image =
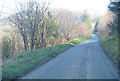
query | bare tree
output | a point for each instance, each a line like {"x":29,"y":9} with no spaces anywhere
{"x":70,"y":27}
{"x":28,"y":18}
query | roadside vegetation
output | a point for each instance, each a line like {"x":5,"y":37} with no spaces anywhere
{"x":110,"y":47}
{"x":35,"y":26}
{"x":107,"y":28}
{"x":27,"y":60}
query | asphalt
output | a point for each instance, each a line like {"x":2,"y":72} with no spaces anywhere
{"x":83,"y":61}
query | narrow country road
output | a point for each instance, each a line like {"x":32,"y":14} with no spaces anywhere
{"x":83,"y":61}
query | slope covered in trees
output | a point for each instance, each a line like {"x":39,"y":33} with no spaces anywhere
{"x":35,"y":26}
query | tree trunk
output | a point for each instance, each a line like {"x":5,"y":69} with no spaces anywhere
{"x":31,"y":43}
{"x":25,"y":42}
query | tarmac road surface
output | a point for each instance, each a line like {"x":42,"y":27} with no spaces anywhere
{"x":83,"y":61}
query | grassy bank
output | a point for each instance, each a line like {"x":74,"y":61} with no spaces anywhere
{"x":25,"y":61}
{"x":110,"y":47}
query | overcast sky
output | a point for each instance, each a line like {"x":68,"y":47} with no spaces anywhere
{"x":94,"y":6}
{"x":80,"y":4}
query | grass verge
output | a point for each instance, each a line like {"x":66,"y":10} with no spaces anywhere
{"x":25,"y":61}
{"x":110,"y":47}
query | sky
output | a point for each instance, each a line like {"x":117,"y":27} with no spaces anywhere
{"x":80,"y":4}
{"x":94,"y":6}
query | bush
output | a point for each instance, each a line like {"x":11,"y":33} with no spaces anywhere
{"x":90,"y":36}
{"x":6,"y":47}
